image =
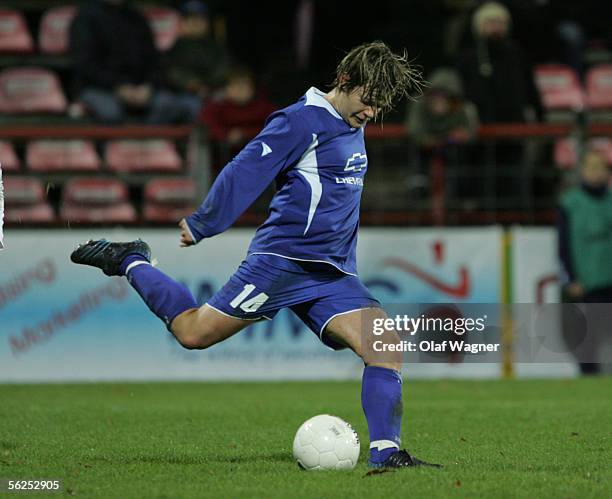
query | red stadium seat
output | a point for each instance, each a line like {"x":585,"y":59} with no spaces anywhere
{"x":96,"y":200}
{"x":137,"y":156}
{"x":559,"y":87}
{"x":25,"y":201}
{"x":170,"y":191}
{"x":30,"y":90}
{"x":23,"y":190}
{"x":62,"y":155}
{"x":566,"y":151}
{"x":165,"y":214}
{"x":122,"y":213}
{"x":54,"y":28}
{"x":168,"y":200}
{"x":40,"y":213}
{"x":14,"y":34}
{"x":165,"y":23}
{"x":95,"y":191}
{"x":599,"y":87}
{"x":8,"y":159}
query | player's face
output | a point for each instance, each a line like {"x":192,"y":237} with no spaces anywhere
{"x":354,"y":111}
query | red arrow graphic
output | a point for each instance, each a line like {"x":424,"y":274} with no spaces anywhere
{"x":460,"y":290}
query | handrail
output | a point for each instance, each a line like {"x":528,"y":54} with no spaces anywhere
{"x":497,"y":130}
{"x":374,"y":131}
{"x":94,"y":131}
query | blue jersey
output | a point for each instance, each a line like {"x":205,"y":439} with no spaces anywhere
{"x":319,"y":163}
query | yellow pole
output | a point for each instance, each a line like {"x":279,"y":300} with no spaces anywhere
{"x":507,"y":332}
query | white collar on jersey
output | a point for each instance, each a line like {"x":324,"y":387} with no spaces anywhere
{"x":314,"y":97}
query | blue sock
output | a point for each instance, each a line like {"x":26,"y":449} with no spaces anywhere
{"x":165,"y":297}
{"x":381,"y":399}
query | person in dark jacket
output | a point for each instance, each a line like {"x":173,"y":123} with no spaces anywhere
{"x":442,"y":116}
{"x":497,"y":76}
{"x":117,"y":65}
{"x":585,"y":247}
{"x":440,"y":124}
{"x":196,"y":65}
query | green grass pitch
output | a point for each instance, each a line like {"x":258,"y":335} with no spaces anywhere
{"x":495,"y":438}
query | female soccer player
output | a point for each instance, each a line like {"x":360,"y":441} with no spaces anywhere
{"x":303,"y":256}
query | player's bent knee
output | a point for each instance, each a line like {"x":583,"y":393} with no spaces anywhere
{"x":188,"y":332}
{"x":198,"y":329}
{"x":195,"y":336}
{"x":192,"y":342}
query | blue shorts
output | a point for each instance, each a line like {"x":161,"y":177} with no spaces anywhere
{"x":315,"y":292}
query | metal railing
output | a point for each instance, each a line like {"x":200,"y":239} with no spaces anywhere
{"x":508,"y":175}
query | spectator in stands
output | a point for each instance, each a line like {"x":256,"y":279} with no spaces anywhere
{"x":496,"y":75}
{"x":117,"y":65}
{"x":240,"y":113}
{"x":585,"y":245}
{"x":442,"y":116}
{"x":439,"y":124}
{"x":196,"y":64}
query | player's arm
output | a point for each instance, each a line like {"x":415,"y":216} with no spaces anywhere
{"x":279,"y":145}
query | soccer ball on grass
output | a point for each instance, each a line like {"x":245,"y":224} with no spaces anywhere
{"x":326,"y":442}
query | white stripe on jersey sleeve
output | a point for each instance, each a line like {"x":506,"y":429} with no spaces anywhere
{"x":309,"y":169}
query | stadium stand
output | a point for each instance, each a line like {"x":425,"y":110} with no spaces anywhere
{"x":165,"y":23}
{"x":559,"y":88}
{"x":62,"y":155}
{"x":15,"y":37}
{"x":25,"y":201}
{"x":142,"y":156}
{"x":90,"y":200}
{"x":168,"y":200}
{"x":53,"y":32}
{"x":8,"y":159}
{"x":31,"y":91}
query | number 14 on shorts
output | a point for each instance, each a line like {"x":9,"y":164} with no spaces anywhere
{"x":247,"y":304}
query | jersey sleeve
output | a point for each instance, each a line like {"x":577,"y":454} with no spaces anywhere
{"x":279,"y":145}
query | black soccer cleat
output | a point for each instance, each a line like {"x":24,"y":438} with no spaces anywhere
{"x":108,"y":256}
{"x":402,"y":459}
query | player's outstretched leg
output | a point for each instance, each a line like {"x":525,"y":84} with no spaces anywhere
{"x":165,"y":297}
{"x":193,"y":327}
{"x":381,"y":390}
{"x":108,"y":256}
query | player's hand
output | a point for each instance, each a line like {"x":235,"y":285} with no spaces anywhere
{"x":186,"y":239}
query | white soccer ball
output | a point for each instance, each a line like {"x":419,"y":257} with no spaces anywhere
{"x":326,"y":442}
